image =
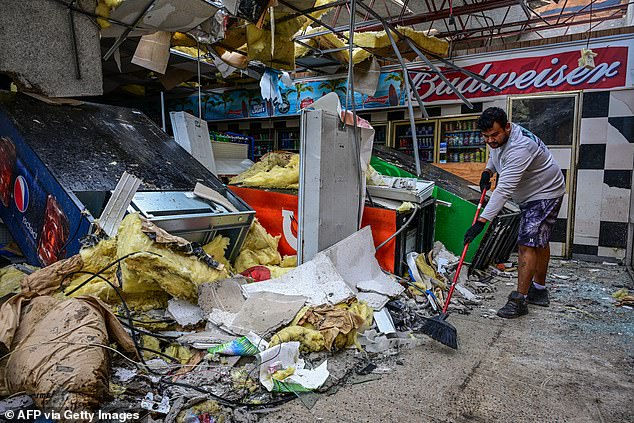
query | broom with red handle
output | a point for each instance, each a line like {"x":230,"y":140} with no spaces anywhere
{"x":437,"y":327}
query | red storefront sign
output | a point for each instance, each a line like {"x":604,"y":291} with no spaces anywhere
{"x":524,"y":75}
{"x":278,"y":214}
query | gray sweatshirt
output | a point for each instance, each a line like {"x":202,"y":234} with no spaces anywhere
{"x":526,"y":172}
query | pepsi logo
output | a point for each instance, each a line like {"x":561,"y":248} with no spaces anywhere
{"x":21,"y":194}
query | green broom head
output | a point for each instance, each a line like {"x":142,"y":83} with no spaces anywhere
{"x":438,"y":329}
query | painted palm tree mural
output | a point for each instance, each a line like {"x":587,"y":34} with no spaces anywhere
{"x":226,"y":98}
{"x":397,"y":77}
{"x":211,"y":103}
{"x":337,"y":86}
{"x":302,"y":87}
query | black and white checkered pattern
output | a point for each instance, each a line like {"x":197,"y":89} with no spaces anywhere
{"x":604,"y":175}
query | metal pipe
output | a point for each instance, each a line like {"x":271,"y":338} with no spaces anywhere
{"x":440,"y":74}
{"x":355,"y":131}
{"x":406,"y":74}
{"x":163,"y":111}
{"x":410,"y":108}
{"x":73,"y":35}
{"x":127,"y":31}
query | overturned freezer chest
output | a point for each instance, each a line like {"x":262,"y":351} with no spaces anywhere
{"x":193,"y":218}
{"x":59,"y":164}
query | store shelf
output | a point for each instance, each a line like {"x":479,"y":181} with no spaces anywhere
{"x":465,"y":147}
{"x":460,"y":130}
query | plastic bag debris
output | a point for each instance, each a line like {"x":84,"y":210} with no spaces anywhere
{"x":282,"y":370}
{"x":248,"y":345}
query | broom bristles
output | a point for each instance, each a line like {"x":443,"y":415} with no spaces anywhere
{"x":439,"y":330}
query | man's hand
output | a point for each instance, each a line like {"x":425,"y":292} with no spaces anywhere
{"x":473,"y":231}
{"x":485,"y":180}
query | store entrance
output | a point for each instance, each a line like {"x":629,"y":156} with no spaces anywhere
{"x":555,"y":119}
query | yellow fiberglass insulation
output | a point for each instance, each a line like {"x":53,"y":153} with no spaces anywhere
{"x":379,"y":39}
{"x":278,"y":271}
{"x":10,"y":278}
{"x":259,"y":248}
{"x":103,"y":8}
{"x":176,"y":273}
{"x":289,"y":261}
{"x":310,"y":340}
{"x":217,"y":248}
{"x":266,"y":163}
{"x":282,"y":53}
{"x":277,"y":177}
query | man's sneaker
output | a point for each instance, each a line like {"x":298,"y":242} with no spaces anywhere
{"x":538,"y":296}
{"x":515,"y":307}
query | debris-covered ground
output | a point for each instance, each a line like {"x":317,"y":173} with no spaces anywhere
{"x":147,"y":327}
{"x":570,"y":362}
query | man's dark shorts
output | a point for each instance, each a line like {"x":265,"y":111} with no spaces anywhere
{"x":537,"y":222}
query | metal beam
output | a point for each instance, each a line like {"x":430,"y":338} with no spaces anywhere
{"x":375,"y":24}
{"x":553,"y":22}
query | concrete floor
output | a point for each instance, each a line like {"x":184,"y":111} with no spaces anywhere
{"x":570,"y":362}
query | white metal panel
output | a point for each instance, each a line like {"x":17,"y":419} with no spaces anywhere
{"x":329,"y":185}
{"x":192,"y":134}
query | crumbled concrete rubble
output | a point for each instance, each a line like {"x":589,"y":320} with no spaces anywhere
{"x":180,"y":374}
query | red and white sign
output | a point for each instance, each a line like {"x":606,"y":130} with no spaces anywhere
{"x":277,"y":213}
{"x":524,"y":75}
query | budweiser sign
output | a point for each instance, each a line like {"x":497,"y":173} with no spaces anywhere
{"x":556,"y":72}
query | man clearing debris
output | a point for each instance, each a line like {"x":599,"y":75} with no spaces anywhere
{"x":529,"y":175}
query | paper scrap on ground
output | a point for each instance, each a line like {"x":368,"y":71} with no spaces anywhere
{"x":285,"y":357}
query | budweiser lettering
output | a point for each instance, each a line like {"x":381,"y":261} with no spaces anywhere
{"x":558,"y":72}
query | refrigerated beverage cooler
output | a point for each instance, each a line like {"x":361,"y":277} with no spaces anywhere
{"x":425,"y":131}
{"x":461,"y":142}
{"x":59,"y":164}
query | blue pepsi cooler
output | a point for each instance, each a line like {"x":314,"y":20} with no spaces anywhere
{"x":59,"y":164}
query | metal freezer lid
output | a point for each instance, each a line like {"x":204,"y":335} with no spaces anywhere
{"x":173,"y":203}
{"x":403,"y":189}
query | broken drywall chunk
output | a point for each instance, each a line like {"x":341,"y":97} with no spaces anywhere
{"x":265,"y":312}
{"x":225,"y":294}
{"x":317,"y":280}
{"x":184,"y":312}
